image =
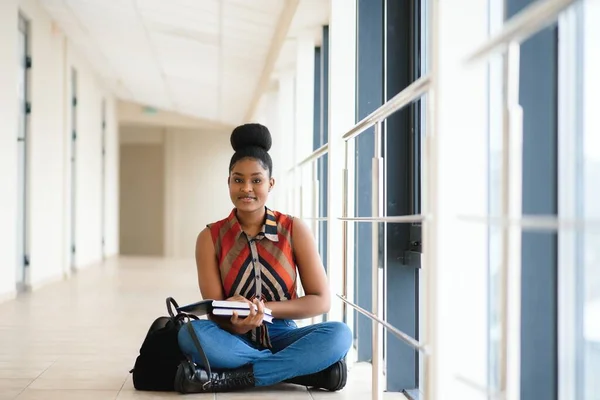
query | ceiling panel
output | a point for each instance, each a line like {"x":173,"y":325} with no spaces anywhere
{"x":181,"y":20}
{"x":202,"y":58}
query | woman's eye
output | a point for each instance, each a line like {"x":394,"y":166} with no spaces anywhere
{"x":238,"y":181}
{"x":257,"y":181}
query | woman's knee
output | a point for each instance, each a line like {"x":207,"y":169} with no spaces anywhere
{"x":222,"y":349}
{"x":199,"y":326}
{"x":340,"y":335}
{"x":201,"y":329}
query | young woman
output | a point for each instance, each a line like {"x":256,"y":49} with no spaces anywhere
{"x":254,"y":255}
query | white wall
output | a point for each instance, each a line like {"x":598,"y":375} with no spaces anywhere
{"x":8,"y":144}
{"x":459,"y":326}
{"x":197,"y":165}
{"x":49,"y":151}
{"x":267,"y":114}
{"x":196,"y":171}
{"x":142,"y":190}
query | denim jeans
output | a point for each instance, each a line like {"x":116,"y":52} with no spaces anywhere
{"x":296,"y":351}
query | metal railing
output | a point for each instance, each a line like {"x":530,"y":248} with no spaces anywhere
{"x":401,"y":100}
{"x":519,"y":28}
{"x":507,"y":41}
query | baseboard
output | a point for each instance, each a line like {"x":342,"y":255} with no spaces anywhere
{"x":46,"y":281}
{"x":8,"y":296}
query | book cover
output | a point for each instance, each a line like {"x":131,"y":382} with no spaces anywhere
{"x":222,"y":307}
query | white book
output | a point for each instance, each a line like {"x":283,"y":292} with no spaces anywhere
{"x":240,"y":313}
{"x":236,"y":305}
{"x":224,"y":308}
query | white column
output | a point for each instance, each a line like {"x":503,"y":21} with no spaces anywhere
{"x":304,"y":112}
{"x":304,"y":117}
{"x":342,"y":59}
{"x":8,"y":146}
{"x":260,"y":111}
{"x":456,"y":184}
{"x":285,"y":134}
{"x":270,"y":118}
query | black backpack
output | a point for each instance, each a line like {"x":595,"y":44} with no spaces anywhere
{"x":159,"y":357}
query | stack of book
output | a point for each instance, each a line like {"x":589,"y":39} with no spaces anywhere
{"x":223,"y":308}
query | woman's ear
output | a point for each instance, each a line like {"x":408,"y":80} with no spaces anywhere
{"x":271,"y":183}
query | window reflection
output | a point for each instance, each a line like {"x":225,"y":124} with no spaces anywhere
{"x":591,"y":200}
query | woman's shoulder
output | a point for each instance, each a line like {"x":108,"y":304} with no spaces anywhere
{"x":214,"y":229}
{"x":283,"y":219}
{"x":218,"y":224}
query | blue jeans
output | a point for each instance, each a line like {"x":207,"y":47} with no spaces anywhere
{"x":296,"y":351}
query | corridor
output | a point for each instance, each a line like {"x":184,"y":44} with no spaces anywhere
{"x":443,"y":155}
{"x":77,"y":339}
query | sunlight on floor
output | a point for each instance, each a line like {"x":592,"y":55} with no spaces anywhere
{"x":78,"y":339}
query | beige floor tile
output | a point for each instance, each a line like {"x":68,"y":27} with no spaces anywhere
{"x":137,"y":395}
{"x":14,"y":384}
{"x":78,"y":339}
{"x":128,"y":385}
{"x":354,"y":395}
{"x":84,"y":373}
{"x":357,"y":387}
{"x":25,"y":364}
{"x":20,"y":373}
{"x":9,"y":394}
{"x":77,"y":384}
{"x":276,"y":392}
{"x":35,"y":394}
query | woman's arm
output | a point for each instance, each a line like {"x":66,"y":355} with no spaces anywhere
{"x":209,"y":281}
{"x":312,"y":274}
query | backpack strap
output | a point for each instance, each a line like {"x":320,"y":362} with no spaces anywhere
{"x":170,"y":304}
{"x":182,"y":316}
{"x":201,"y":352}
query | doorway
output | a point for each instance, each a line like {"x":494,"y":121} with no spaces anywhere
{"x":103,"y":184}
{"x":73,"y":169}
{"x":142,"y":187}
{"x":24,"y":58}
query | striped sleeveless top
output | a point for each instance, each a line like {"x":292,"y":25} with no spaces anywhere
{"x":262,"y":266}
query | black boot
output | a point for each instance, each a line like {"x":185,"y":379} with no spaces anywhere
{"x":192,"y":379}
{"x":332,"y":378}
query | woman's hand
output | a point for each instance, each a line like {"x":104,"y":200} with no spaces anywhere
{"x":242,"y":326}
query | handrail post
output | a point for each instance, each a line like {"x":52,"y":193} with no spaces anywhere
{"x":315,"y":202}
{"x":315,"y":210}
{"x":510,"y":301}
{"x":377,"y":329}
{"x":430,"y":208}
{"x":345,"y":234}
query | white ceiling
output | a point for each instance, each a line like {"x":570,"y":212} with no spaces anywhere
{"x":209,"y":59}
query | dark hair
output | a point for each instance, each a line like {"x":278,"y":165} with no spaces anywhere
{"x":251,"y":141}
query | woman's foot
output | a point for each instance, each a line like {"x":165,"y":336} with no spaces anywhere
{"x":332,"y":378}
{"x":191,"y":379}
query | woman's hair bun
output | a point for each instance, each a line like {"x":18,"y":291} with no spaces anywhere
{"x":251,"y":135}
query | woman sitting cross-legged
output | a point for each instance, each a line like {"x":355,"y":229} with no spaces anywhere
{"x":254,"y":255}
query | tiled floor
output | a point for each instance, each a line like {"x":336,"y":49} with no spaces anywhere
{"x":78,"y":339}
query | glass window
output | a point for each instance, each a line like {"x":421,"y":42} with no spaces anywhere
{"x":496,"y":22}
{"x":579,"y":187}
{"x":591,"y":198}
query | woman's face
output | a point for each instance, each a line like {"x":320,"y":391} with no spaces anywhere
{"x":249,"y":185}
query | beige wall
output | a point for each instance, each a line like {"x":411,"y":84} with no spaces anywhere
{"x":49,"y":154}
{"x":142,"y":186}
{"x":197,"y":194}
{"x":194,"y":165}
